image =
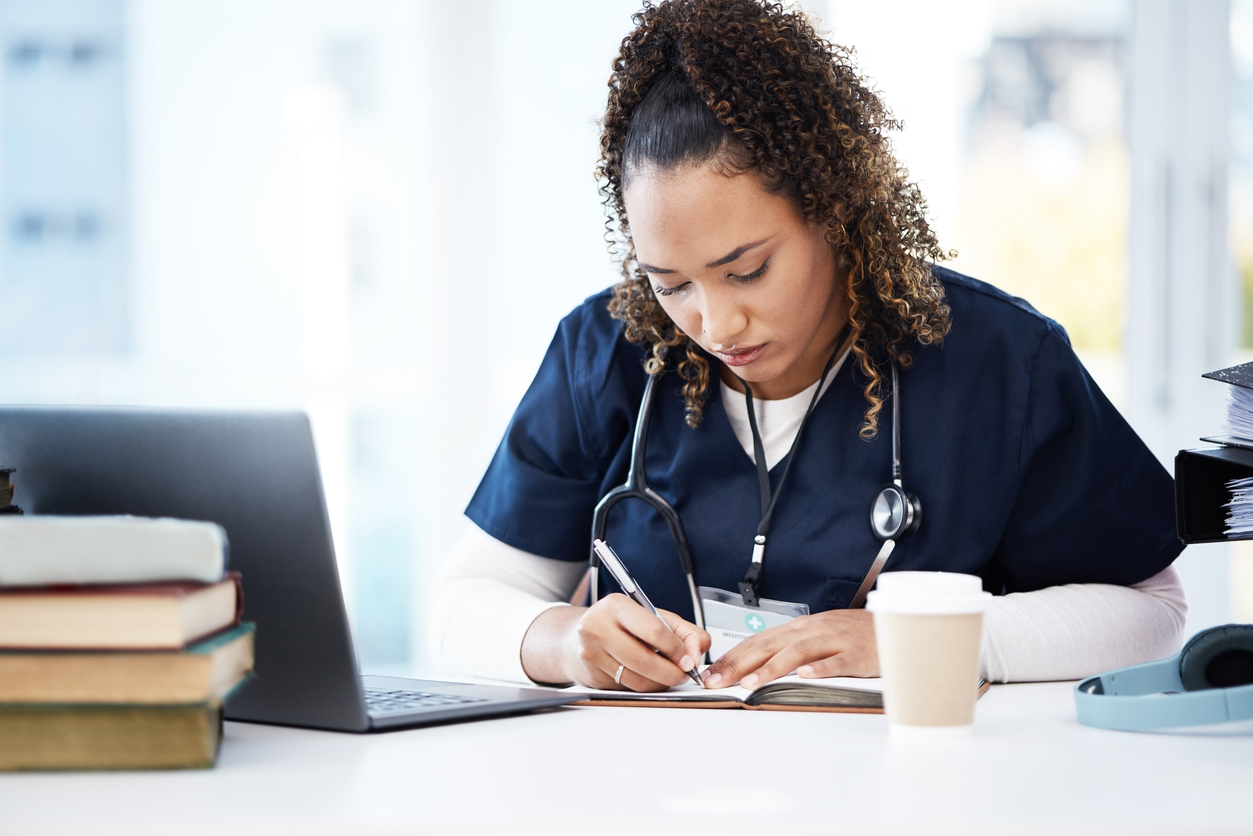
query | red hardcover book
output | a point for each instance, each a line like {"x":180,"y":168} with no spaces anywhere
{"x":160,"y":616}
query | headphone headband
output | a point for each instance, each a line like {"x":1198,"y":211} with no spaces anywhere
{"x":1177,"y":692}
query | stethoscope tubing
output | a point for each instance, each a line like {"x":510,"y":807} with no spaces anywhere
{"x":636,"y":487}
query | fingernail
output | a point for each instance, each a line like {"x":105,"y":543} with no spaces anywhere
{"x":805,"y":670}
{"x":686,"y":663}
{"x":711,"y":679}
{"x":749,"y":681}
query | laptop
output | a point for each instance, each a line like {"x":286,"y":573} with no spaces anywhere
{"x":256,"y":474}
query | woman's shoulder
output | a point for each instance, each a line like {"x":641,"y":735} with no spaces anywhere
{"x":595,"y":341}
{"x":605,"y":371}
{"x":984,"y":317}
{"x":591,"y":321}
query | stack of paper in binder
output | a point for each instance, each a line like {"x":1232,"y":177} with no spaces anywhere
{"x":1214,"y":486}
{"x":120,"y":641}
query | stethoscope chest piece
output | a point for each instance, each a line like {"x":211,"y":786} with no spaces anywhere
{"x":894,"y":513}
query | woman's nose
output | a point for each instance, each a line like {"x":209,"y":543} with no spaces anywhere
{"x":722,"y":320}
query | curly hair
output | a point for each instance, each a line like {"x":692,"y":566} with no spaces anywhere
{"x":790,"y":107}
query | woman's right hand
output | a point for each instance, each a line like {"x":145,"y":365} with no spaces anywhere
{"x":587,"y":644}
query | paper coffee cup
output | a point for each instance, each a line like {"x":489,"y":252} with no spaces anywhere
{"x":929,"y":628}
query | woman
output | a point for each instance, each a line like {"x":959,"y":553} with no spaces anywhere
{"x":778,"y":273}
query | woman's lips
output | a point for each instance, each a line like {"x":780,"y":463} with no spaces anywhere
{"x":741,"y":356}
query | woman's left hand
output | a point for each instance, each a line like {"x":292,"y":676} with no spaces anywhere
{"x":832,"y":643}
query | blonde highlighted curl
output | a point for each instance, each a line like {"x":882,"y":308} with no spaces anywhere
{"x":803,"y":120}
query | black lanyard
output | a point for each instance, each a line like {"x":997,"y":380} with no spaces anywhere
{"x":748,"y":586}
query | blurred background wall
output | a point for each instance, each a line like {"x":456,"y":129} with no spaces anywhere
{"x":378,"y":210}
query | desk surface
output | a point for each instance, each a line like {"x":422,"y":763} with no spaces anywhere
{"x":1029,"y":768}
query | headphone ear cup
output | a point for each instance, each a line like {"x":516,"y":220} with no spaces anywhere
{"x":1220,"y":657}
{"x":915,"y":518}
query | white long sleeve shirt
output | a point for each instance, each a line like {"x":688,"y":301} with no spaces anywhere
{"x":488,"y":593}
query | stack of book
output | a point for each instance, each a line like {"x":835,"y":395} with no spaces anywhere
{"x":6,"y":492}
{"x":1214,"y":486}
{"x":120,"y":640}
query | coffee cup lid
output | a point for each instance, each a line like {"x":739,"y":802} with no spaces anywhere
{"x":928,"y":593}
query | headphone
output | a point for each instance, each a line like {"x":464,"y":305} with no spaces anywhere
{"x":895,"y":513}
{"x":1209,"y":681}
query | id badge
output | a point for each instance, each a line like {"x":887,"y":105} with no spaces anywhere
{"x":729,"y":622}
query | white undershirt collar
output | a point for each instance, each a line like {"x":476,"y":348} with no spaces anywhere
{"x":778,"y":421}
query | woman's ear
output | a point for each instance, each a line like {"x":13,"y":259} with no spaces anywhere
{"x":836,"y":235}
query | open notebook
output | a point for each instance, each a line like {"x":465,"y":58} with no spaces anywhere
{"x":789,"y":693}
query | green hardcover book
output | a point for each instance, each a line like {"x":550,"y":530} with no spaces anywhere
{"x":76,"y":737}
{"x":211,"y":669}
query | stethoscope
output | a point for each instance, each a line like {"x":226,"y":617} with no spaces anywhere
{"x":894,"y":512}
{"x":636,"y":487}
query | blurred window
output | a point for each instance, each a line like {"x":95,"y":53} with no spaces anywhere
{"x":63,"y":196}
{"x":1241,"y":194}
{"x":1042,"y":204}
{"x":1014,"y":117}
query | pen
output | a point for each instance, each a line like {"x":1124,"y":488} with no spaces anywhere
{"x":620,"y":574}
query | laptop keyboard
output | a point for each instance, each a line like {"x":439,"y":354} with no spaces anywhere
{"x":378,"y":701}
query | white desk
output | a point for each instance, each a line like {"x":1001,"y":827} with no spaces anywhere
{"x":1030,"y":768}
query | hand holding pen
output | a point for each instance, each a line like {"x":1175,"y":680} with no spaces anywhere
{"x":614,"y":564}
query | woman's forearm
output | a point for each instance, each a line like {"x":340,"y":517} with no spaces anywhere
{"x":484,"y":602}
{"x":1076,"y":630}
{"x":499,"y":612}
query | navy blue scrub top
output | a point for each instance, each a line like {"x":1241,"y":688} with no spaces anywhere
{"x":1027,"y":475}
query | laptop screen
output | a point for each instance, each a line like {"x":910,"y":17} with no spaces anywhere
{"x":255,"y":474}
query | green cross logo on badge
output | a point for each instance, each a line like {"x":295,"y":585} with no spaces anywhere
{"x":754,"y":622}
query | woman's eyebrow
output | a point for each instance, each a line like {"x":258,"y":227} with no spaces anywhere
{"x":736,"y":253}
{"x":726,"y":259}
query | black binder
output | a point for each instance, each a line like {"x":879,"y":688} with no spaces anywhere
{"x":1201,"y":476}
{"x":1201,"y":493}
